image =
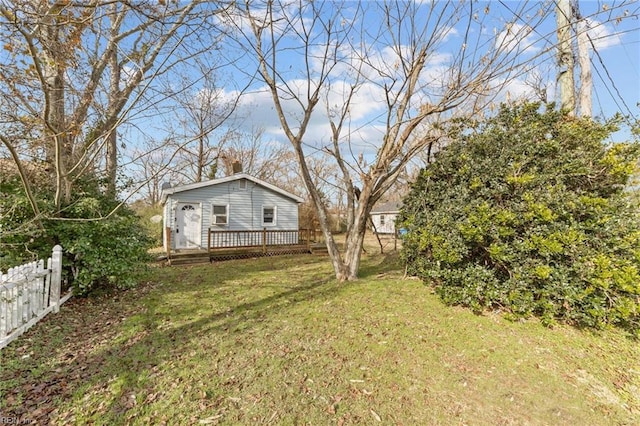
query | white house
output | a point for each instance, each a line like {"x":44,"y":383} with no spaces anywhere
{"x":235,"y":203}
{"x":384,"y":217}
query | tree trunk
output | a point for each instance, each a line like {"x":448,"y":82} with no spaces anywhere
{"x":114,"y":93}
{"x":60,"y":150}
{"x":201,"y":160}
{"x":353,"y":250}
{"x":355,"y":239}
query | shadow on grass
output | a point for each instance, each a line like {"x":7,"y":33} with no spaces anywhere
{"x":153,"y":342}
{"x":380,"y":264}
{"x":192,"y":278}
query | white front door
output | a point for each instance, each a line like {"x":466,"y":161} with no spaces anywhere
{"x":188,"y":225}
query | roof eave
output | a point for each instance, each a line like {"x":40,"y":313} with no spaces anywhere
{"x":196,"y":185}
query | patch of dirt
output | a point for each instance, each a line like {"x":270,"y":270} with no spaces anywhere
{"x":598,"y":389}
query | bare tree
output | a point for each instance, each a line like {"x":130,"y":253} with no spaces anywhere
{"x":152,"y":163}
{"x":202,"y":108}
{"x":397,"y":65}
{"x":77,"y":71}
{"x":264,"y":159}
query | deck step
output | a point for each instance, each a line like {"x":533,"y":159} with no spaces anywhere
{"x":189,"y":257}
{"x":189,"y":261}
{"x":203,"y":256}
{"x":319,"y":249}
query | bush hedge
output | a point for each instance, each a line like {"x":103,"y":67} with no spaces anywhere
{"x":529,"y":212}
{"x":103,"y":248}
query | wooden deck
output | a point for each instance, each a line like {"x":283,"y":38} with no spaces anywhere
{"x":226,"y":245}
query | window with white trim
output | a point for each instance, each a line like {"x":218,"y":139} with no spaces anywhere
{"x":382,"y":220}
{"x":268,"y":215}
{"x":219,"y":215}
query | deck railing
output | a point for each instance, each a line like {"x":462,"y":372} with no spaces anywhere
{"x":219,"y":239}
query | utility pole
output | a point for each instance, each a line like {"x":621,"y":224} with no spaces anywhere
{"x":565,"y":82}
{"x":584,"y":61}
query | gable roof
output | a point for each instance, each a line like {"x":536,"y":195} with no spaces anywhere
{"x":181,"y":188}
{"x":390,"y":207}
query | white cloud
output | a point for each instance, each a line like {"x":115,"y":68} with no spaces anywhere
{"x":516,"y":90}
{"x":256,"y":111}
{"x":531,"y":86}
{"x":279,"y":20}
{"x":600,"y":34}
{"x":447,"y":33}
{"x":367,"y":105}
{"x":127,"y":74}
{"x":516,"y":38}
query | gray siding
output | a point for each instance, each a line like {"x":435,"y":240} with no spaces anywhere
{"x":244,"y":207}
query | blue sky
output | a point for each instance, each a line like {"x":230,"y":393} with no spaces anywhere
{"x":614,"y":30}
{"x":615,"y":61}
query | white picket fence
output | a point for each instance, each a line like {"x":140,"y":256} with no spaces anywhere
{"x":28,"y":293}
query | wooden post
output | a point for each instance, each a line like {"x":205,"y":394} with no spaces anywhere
{"x":15,"y":299}
{"x":395,"y":239}
{"x":47,"y":285}
{"x":4,"y":307}
{"x":264,"y":240}
{"x":23,"y":292}
{"x":167,"y":232}
{"x":42,"y":275}
{"x":309,"y":239}
{"x":56,"y":278}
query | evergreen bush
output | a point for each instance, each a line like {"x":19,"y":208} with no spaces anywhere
{"x":102,"y":249}
{"x":527,"y":212}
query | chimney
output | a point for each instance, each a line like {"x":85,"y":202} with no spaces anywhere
{"x":236,"y":166}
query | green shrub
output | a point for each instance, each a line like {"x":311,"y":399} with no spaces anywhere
{"x":105,"y":253}
{"x":101,"y":250}
{"x":527,"y":213}
{"x":154,"y":229}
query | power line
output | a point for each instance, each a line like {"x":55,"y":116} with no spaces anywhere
{"x":606,"y":70}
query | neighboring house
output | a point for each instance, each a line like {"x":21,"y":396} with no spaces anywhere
{"x":384,"y":217}
{"x":235,"y":203}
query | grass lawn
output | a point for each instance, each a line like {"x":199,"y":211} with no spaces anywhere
{"x":278,"y":341}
